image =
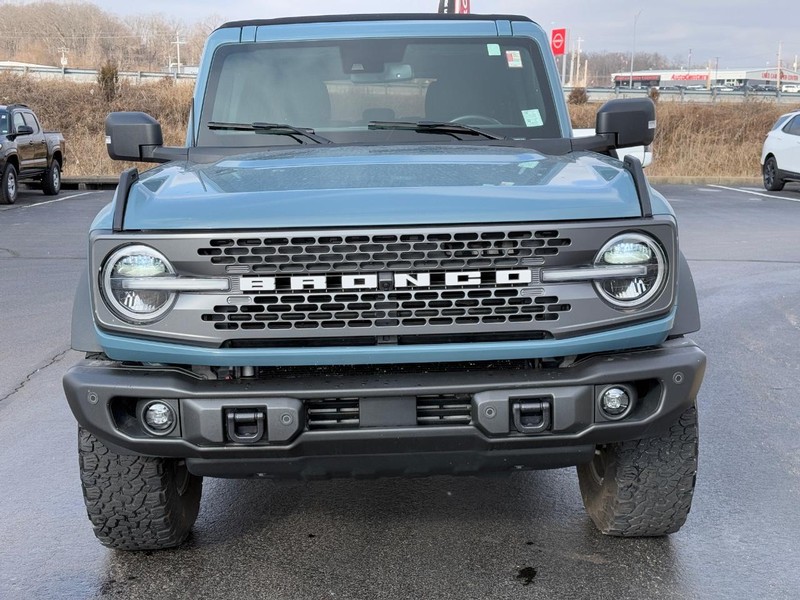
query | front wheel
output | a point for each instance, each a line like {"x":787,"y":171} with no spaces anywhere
{"x":137,"y":502}
{"x":51,"y":181}
{"x":772,"y":182}
{"x":644,"y":487}
{"x":8,"y":185}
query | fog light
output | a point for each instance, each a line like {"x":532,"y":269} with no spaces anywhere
{"x":159,"y":418}
{"x":615,"y":401}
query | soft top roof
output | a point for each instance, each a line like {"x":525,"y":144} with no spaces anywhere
{"x":374,"y":17}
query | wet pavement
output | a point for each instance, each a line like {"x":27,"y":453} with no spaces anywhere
{"x":524,"y":536}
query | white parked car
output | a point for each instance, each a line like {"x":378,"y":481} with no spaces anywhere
{"x":643,"y":153}
{"x":790,"y":88}
{"x":780,"y":157}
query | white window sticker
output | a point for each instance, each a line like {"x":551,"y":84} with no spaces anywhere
{"x":532,"y":117}
{"x":493,"y":49}
{"x":514,"y":59}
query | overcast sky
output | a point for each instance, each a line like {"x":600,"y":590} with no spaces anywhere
{"x":741,"y":33}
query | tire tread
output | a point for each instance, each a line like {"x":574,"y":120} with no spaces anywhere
{"x":132,"y":501}
{"x":649,"y":484}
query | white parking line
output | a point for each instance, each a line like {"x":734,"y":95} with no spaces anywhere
{"x":57,"y":200}
{"x":733,"y":189}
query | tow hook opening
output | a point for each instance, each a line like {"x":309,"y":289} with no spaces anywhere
{"x":531,"y":416}
{"x":245,"y":426}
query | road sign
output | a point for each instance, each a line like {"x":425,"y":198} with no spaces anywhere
{"x":462,"y":7}
{"x":558,"y":41}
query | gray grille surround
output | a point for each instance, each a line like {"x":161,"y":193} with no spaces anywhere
{"x":334,"y":313}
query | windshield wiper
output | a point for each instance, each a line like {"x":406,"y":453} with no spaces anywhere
{"x":434,"y":127}
{"x":273,"y":128}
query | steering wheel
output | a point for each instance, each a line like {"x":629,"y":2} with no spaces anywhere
{"x":475,"y":119}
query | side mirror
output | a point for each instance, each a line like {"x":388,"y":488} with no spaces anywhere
{"x":632,"y":121}
{"x":24,"y":130}
{"x":133,"y":136}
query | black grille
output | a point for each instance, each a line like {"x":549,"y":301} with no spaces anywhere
{"x":354,"y":310}
{"x":432,"y":410}
{"x":444,"y":409}
{"x":334,"y":413}
{"x":386,"y":252}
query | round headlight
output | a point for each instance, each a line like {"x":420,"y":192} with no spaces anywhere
{"x":136,"y":263}
{"x":632,"y":249}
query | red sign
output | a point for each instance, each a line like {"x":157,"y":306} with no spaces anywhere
{"x":558,"y":41}
{"x":688,"y":77}
{"x":462,"y":7}
{"x":774,"y":75}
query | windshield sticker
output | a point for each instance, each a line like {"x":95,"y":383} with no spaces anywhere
{"x":493,"y":49}
{"x":514,"y":59}
{"x":532,"y":117}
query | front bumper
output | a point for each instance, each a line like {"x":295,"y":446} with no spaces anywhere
{"x":388,"y":437}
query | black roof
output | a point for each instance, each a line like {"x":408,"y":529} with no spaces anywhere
{"x":16,"y":105}
{"x":374,"y":17}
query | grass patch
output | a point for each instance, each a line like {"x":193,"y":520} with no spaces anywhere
{"x":705,"y":140}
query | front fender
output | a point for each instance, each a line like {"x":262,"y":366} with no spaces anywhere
{"x":83,"y":330}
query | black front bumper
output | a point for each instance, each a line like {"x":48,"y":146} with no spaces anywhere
{"x":389,"y":438}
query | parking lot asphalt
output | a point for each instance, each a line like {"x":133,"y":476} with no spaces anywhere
{"x":523,"y":536}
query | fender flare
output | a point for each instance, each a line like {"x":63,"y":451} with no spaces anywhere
{"x":83,"y":327}
{"x":687,"y":317}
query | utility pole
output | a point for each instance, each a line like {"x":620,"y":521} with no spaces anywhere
{"x":716,"y":70}
{"x":572,"y":64}
{"x":178,"y":44}
{"x":633,"y":50}
{"x":780,"y":47}
{"x":578,"y":70}
{"x":64,"y":50}
{"x":689,"y":66}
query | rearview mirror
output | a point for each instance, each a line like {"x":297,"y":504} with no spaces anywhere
{"x":632,"y":121}
{"x":391,"y":72}
{"x":24,"y":130}
{"x":133,"y":136}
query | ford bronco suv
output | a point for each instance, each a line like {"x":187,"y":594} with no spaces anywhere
{"x":381,"y":252}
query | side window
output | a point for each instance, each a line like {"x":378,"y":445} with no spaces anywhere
{"x":30,"y":119}
{"x":793,"y":128}
{"x":18,"y":120}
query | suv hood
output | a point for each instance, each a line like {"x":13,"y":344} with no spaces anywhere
{"x":381,"y":185}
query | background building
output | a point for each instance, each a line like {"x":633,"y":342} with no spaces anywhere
{"x":705,"y":78}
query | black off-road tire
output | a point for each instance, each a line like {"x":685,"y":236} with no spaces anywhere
{"x":9,"y":185}
{"x":137,"y":502}
{"x":51,"y":180}
{"x":772,"y":182}
{"x":644,"y":487}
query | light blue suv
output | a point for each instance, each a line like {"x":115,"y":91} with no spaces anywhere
{"x":382,"y":252}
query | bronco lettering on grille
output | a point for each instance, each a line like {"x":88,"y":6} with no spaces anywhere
{"x":399,"y":280}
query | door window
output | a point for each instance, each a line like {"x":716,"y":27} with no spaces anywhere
{"x":793,"y":128}
{"x":19,"y":121}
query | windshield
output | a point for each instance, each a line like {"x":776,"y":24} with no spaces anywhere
{"x":338,"y":87}
{"x":3,"y":122}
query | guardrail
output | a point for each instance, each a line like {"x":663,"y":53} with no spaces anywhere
{"x":683,"y":95}
{"x":596,"y":94}
{"x":90,"y":75}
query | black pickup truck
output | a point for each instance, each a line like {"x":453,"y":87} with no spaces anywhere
{"x":28,"y":153}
